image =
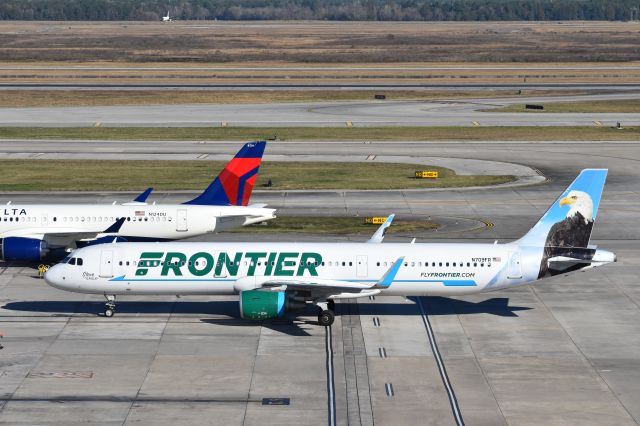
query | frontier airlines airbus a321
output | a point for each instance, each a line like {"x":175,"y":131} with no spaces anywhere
{"x":33,"y":232}
{"x":273,"y":279}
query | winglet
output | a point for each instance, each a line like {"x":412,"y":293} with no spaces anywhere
{"x":115,"y":226}
{"x":233,"y":186}
{"x":390,"y":275}
{"x":142,"y":198}
{"x":378,"y":236}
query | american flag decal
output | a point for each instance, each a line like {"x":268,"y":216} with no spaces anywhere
{"x":139,"y":212}
{"x":497,"y":259}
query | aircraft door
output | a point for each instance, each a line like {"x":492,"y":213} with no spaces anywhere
{"x":361,"y":266}
{"x":515,"y":265}
{"x":181,"y":224}
{"x":106,"y":263}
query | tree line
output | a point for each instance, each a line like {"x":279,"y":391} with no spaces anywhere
{"x":339,"y":10}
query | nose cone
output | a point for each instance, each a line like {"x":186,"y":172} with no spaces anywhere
{"x":55,"y":276}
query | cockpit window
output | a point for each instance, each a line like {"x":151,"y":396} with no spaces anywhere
{"x":66,"y":259}
{"x":79,"y":261}
{"x":72,"y":261}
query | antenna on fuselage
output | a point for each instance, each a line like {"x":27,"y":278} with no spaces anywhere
{"x":8,"y":202}
{"x":114,"y":203}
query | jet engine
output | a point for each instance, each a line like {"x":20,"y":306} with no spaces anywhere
{"x":23,"y":249}
{"x":264,"y":304}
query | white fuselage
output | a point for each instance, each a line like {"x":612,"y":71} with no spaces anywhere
{"x":201,"y":268}
{"x":57,"y":223}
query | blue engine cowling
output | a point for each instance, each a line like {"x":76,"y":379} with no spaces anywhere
{"x":24,"y":249}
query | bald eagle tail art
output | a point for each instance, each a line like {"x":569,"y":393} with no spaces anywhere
{"x":565,"y":229}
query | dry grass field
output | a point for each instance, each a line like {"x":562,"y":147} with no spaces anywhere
{"x":320,"y":42}
{"x":37,"y":98}
{"x":307,"y":53}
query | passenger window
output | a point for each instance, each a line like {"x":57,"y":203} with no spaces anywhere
{"x":120,"y":263}
{"x":127,"y":263}
{"x":475,"y":264}
{"x":447,"y":264}
{"x":440,"y":264}
{"x":79,"y":261}
{"x":128,"y":219}
{"x":343,"y":263}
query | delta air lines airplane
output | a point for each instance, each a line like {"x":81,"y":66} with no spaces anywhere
{"x":273,"y":279}
{"x":34,"y":232}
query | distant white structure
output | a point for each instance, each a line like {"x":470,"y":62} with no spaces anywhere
{"x":167,"y":18}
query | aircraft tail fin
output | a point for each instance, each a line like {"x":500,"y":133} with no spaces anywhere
{"x":233,"y":186}
{"x":142,"y":198}
{"x":569,"y":221}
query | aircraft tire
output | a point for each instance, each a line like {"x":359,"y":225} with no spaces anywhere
{"x":326,"y":318}
{"x":108,"y":312}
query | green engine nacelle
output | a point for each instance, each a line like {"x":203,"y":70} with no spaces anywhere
{"x":263,"y":304}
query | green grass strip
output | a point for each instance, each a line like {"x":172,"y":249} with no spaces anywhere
{"x":116,"y":175}
{"x":533,"y":133}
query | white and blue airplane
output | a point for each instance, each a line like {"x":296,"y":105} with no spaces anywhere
{"x":273,"y":279}
{"x":34,"y":232}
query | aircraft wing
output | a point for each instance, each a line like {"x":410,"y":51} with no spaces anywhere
{"x":66,"y":237}
{"x":335,"y":289}
{"x":314,"y":283}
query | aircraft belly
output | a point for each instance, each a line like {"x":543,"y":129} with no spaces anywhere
{"x":174,"y":286}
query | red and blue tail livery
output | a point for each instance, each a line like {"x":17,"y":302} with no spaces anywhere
{"x":233,"y":186}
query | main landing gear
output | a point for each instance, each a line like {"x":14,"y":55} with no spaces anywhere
{"x":326,"y":315}
{"x":110,"y":306}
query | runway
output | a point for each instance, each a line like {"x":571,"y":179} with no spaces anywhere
{"x":322,"y":114}
{"x":563,"y":351}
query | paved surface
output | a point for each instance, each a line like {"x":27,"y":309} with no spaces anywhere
{"x":372,"y":113}
{"x":564,"y":351}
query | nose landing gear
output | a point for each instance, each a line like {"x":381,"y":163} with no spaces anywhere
{"x":110,"y":305}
